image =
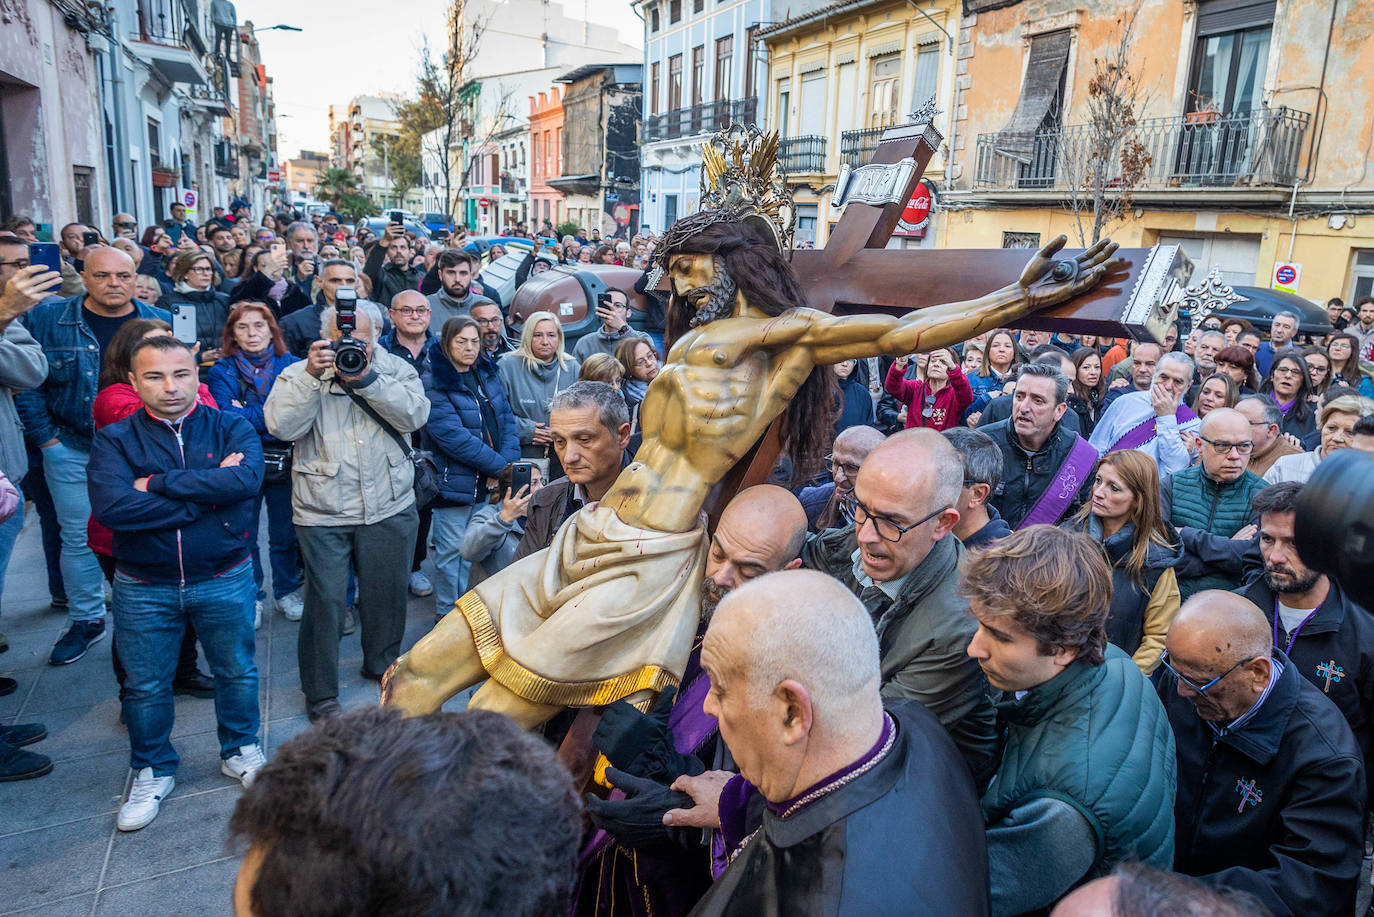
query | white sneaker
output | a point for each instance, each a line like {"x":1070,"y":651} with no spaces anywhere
{"x":420,"y":584}
{"x":257,"y":614}
{"x":145,"y":798}
{"x":244,"y":765}
{"x":291,"y":606}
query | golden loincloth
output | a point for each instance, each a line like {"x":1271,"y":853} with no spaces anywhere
{"x":605,"y":611}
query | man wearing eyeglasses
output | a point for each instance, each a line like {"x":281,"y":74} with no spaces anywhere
{"x":1152,"y":420}
{"x":125,"y":227}
{"x":409,"y":338}
{"x":57,"y":418}
{"x":1209,"y":504}
{"x":1271,"y":787}
{"x":898,"y":557}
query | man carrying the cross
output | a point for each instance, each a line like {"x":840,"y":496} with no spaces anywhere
{"x":1152,"y":421}
{"x":611,"y":609}
{"x":1271,"y":788}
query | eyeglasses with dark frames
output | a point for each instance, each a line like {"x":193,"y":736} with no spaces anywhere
{"x":887,"y":529}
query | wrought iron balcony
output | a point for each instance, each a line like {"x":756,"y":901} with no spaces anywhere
{"x":169,"y":41}
{"x":705,"y":118}
{"x":1201,"y":149}
{"x":226,"y":159}
{"x":857,"y":147}
{"x":803,"y":155}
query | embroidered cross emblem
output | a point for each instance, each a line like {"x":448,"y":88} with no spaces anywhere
{"x":1332,"y":672}
{"x":1248,"y":793}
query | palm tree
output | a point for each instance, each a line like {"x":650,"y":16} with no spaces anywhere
{"x":336,"y":184}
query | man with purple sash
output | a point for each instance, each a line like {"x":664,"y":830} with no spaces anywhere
{"x":1153,"y":421}
{"x":865,"y":809}
{"x":1047,"y":469}
{"x":631,"y":863}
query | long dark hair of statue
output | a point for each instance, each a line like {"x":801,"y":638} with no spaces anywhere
{"x":766,"y":281}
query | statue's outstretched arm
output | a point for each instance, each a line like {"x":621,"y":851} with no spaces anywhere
{"x":1045,"y":282}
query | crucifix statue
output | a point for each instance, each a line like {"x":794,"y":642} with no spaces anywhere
{"x":610,"y":610}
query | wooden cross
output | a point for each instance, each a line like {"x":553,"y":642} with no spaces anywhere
{"x":854,"y":273}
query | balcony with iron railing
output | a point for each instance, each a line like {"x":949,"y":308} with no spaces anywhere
{"x":166,"y":37}
{"x":857,"y":147}
{"x":803,"y":155}
{"x":226,"y":159}
{"x":705,"y":118}
{"x":1259,"y":148}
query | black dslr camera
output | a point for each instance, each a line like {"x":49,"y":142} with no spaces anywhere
{"x":350,"y":354}
{"x":1335,"y":522}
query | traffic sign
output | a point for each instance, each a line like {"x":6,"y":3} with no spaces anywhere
{"x":483,"y":202}
{"x":273,"y":175}
{"x":1286,"y":276}
{"x":190,"y":199}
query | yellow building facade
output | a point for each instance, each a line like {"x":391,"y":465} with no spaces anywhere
{"x":837,"y":77}
{"x":1257,"y":118}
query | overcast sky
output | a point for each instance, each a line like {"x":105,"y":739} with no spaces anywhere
{"x":348,"y":48}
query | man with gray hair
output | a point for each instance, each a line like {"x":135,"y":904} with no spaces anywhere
{"x":1046,"y":467}
{"x":1154,"y":422}
{"x":352,"y":496}
{"x":1282,"y":329}
{"x":898,"y":557}
{"x":868,"y":810}
{"x":1266,"y":425}
{"x":980,"y":524}
{"x":590,"y":426}
{"x":1205,"y":350}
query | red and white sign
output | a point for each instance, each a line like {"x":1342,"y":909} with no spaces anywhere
{"x":916,"y":216}
{"x":1286,"y":276}
{"x":483,"y":202}
{"x":274,"y":175}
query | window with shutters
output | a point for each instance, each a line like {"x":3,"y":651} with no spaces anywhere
{"x":675,"y":82}
{"x":698,"y":73}
{"x":674,"y":11}
{"x":725,"y":63}
{"x":654,"y":23}
{"x":884,"y":91}
{"x":784,"y":105}
{"x":1231,"y":55}
{"x":750,"y":41}
{"x":653,"y":88}
{"x":925,"y":83}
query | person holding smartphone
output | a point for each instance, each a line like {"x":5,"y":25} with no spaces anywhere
{"x":193,"y":276}
{"x":388,"y":265}
{"x":613,"y":308}
{"x":495,"y":530}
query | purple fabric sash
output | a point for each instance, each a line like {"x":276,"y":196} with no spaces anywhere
{"x":1078,"y":464}
{"x":1144,"y":431}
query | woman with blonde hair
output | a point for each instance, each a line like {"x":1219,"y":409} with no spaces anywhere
{"x":532,"y":374}
{"x":602,"y":367}
{"x":1336,"y":425}
{"x":1125,"y":517}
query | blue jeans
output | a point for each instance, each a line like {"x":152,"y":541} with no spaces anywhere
{"x":9,"y":534}
{"x":65,"y":471}
{"x":281,"y":540}
{"x":149,"y":620}
{"x":451,"y":570}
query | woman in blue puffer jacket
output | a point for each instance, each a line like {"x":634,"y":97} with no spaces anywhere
{"x":473,"y":433}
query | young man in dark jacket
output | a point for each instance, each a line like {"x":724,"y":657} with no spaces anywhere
{"x":1271,"y":789}
{"x":388,"y":266}
{"x":176,"y":483}
{"x":1328,"y":637}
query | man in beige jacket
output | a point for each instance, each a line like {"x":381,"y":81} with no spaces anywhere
{"x":352,"y":499}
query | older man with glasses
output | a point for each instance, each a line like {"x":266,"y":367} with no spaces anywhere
{"x":1209,"y":504}
{"x":1271,"y":790}
{"x":898,"y":557}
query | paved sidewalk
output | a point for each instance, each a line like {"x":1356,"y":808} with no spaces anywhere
{"x":60,"y":853}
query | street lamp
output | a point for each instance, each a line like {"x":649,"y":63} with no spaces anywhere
{"x":284,"y":28}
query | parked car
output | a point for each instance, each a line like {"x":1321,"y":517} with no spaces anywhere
{"x":437,"y":222}
{"x":377,"y":226}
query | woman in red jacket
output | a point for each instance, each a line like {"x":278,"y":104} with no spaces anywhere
{"x":115,"y":401}
{"x":938,"y":400}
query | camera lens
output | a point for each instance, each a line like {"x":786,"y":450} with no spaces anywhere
{"x":1333,"y":529}
{"x":350,"y":357}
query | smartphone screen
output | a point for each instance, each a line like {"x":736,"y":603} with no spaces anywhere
{"x":397,"y":216}
{"x":47,"y":254}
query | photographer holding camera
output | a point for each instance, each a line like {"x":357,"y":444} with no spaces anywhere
{"x":347,"y":408}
